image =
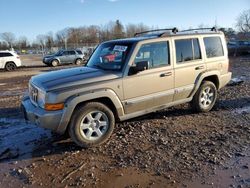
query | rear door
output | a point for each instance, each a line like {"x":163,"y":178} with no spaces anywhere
{"x":153,"y":87}
{"x":72,"y":56}
{"x":188,"y":65}
{"x":1,"y":60}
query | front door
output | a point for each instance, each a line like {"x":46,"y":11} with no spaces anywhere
{"x":153,"y":87}
{"x":65,"y":57}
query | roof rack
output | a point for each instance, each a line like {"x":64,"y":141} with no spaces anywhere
{"x":208,"y":28}
{"x":174,"y":30}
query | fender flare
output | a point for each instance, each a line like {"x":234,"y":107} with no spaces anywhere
{"x":73,"y":101}
{"x":201,"y":77}
{"x":55,"y":59}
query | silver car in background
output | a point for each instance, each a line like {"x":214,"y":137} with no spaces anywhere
{"x":64,"y":57}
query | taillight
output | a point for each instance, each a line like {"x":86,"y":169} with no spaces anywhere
{"x":228,"y":66}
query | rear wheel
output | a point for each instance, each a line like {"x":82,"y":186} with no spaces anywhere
{"x":10,"y":66}
{"x":55,"y":63}
{"x":91,"y":125}
{"x":204,"y":99}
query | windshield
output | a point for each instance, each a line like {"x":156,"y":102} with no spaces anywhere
{"x":110,"y":56}
{"x":59,"y":53}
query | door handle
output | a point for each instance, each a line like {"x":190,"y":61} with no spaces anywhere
{"x":166,"y":74}
{"x":199,"y":67}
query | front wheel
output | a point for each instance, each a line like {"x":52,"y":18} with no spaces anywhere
{"x":91,"y":124}
{"x":204,"y":99}
{"x":78,"y":62}
{"x":55,"y":63}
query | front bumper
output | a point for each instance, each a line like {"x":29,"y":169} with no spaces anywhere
{"x":46,"y":61}
{"x":46,"y":119}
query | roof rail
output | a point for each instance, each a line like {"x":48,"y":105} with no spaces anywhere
{"x":174,"y":30}
{"x":208,"y":28}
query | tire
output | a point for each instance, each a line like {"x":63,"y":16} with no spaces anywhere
{"x":78,"y":62}
{"x":10,"y":66}
{"x":54,"y":63}
{"x":91,"y":124}
{"x":205,"y":98}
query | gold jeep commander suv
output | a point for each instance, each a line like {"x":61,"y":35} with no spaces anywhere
{"x":127,"y":78}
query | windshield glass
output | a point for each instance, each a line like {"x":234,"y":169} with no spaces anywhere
{"x":59,"y":52}
{"x":110,"y":56}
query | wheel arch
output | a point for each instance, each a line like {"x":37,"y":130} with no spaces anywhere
{"x":212,"y":76}
{"x":5,"y":64}
{"x":105,"y":96}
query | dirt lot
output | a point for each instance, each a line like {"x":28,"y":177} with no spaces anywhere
{"x":171,"y":148}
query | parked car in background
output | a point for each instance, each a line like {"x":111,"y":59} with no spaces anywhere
{"x":64,"y":57}
{"x":9,"y":60}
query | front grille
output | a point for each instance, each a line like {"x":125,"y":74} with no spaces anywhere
{"x":33,"y":92}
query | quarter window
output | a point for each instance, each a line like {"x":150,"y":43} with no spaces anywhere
{"x":157,"y":54}
{"x":5,"y":54}
{"x":187,"y":50}
{"x":213,"y":47}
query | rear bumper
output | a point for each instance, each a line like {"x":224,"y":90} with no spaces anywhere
{"x":224,"y":79}
{"x":46,"y":119}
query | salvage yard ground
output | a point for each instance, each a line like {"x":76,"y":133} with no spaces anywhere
{"x":170,"y":148}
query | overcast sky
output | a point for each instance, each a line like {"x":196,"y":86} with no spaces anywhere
{"x":33,"y":17}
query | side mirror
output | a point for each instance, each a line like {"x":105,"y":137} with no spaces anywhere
{"x":138,"y":67}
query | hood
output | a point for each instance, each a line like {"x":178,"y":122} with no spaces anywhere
{"x":72,"y":77}
{"x":48,"y":56}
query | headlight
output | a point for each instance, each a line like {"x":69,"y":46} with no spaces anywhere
{"x":41,"y":98}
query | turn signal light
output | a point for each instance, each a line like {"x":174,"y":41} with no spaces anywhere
{"x":54,"y":107}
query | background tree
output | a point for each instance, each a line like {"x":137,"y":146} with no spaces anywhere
{"x":49,"y":40}
{"x":41,"y":39}
{"x":22,"y":43}
{"x":9,"y":38}
{"x":243,"y":21}
{"x":118,"y":30}
{"x":62,"y":38}
{"x":243,"y":25}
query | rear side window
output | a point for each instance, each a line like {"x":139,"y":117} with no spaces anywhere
{"x":187,"y":50}
{"x":213,"y":47}
{"x":5,"y":54}
{"x":157,"y":54}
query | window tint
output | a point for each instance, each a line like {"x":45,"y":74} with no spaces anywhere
{"x":156,"y":53}
{"x":197,"y":51}
{"x":213,"y":47}
{"x":79,"y":52}
{"x":5,"y":54}
{"x":72,"y":53}
{"x":187,"y":50}
{"x":65,"y":53}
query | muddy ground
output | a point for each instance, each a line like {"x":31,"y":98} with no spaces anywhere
{"x":171,"y":148}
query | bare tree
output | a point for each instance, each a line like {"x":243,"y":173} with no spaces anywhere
{"x":62,"y":37}
{"x":22,"y":42}
{"x":243,"y":21}
{"x":49,"y":40}
{"x":131,"y":29}
{"x":9,"y":38}
{"x":41,"y":39}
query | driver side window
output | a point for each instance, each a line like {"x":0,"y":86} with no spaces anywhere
{"x":157,"y":54}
